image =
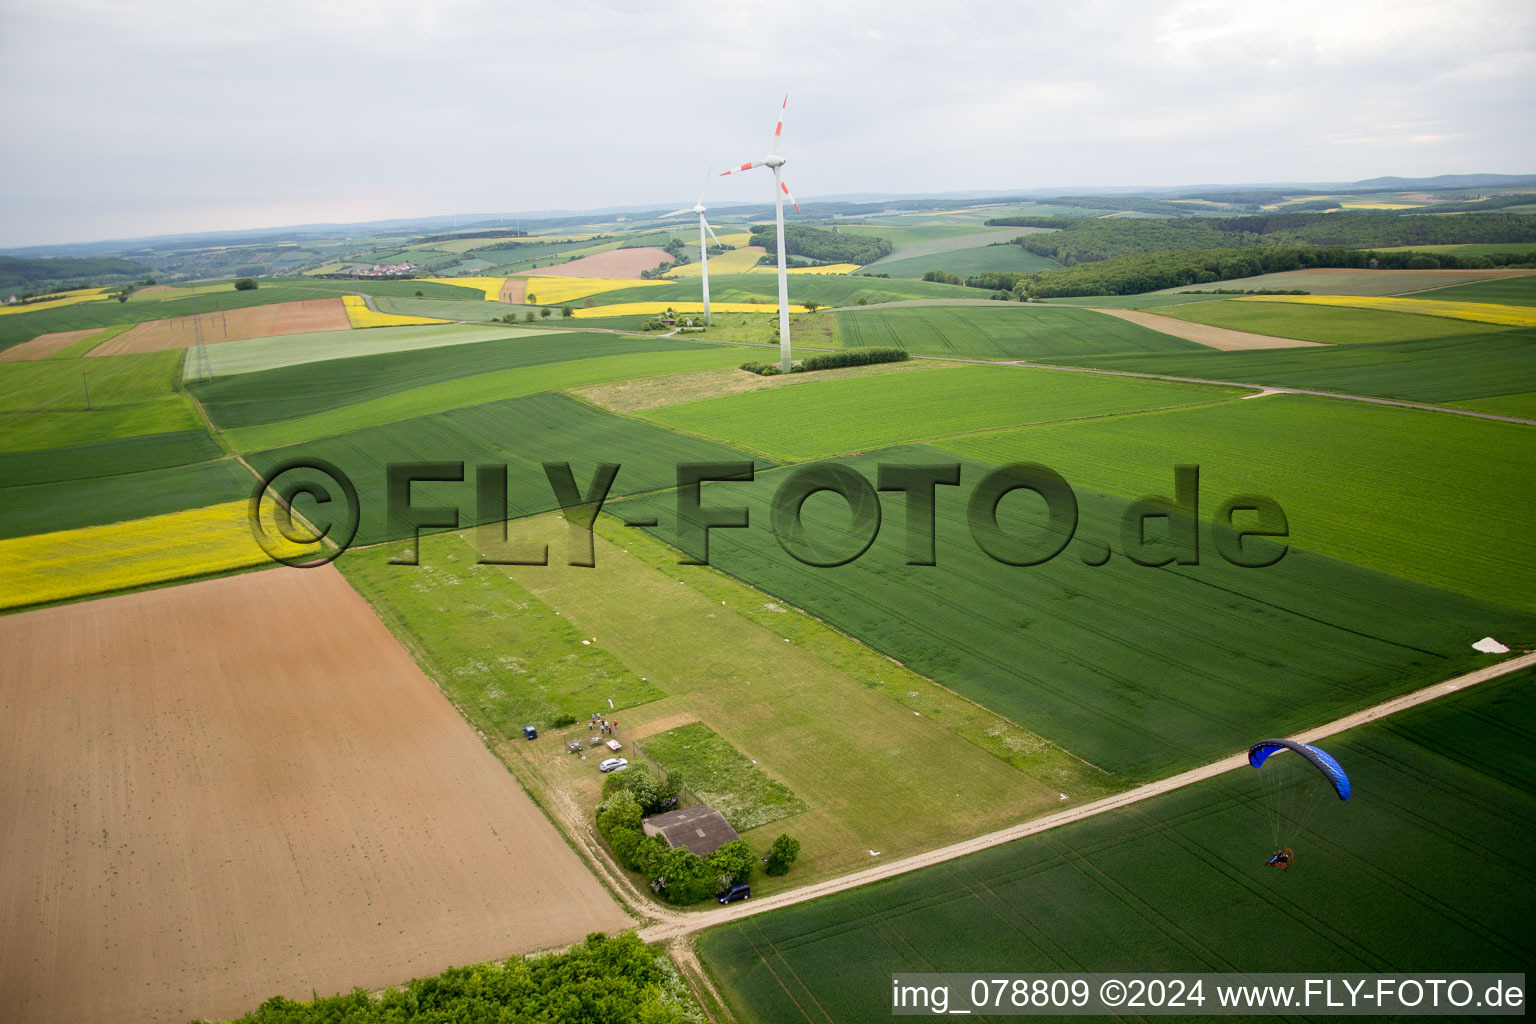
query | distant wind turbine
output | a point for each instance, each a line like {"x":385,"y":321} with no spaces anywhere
{"x":698,"y":208}
{"x":780,"y":190}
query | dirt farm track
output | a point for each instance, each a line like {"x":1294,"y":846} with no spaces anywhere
{"x":214,"y":793}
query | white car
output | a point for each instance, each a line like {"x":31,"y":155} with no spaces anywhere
{"x":613,"y":764}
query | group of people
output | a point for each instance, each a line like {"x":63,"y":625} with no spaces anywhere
{"x":602,"y":725}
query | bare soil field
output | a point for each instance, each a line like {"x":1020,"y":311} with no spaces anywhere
{"x":644,"y":393}
{"x":231,"y":325}
{"x":618,"y":264}
{"x":512,"y":290}
{"x":1222,"y":338}
{"x":45,"y":345}
{"x":223,"y":791}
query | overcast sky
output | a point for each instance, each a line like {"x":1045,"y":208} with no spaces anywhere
{"x":129,"y":119}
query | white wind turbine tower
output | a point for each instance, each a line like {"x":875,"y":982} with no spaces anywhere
{"x":780,"y":190}
{"x":698,"y":208}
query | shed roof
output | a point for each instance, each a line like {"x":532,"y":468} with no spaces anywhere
{"x":699,"y":828}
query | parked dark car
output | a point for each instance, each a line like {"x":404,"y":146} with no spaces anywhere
{"x":736,"y":892}
{"x":529,"y":732}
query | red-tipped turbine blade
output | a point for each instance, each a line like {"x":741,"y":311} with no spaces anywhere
{"x":791,"y":196}
{"x":778,"y":129}
{"x":743,"y":167}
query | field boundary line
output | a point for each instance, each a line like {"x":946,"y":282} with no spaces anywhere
{"x":683,"y":924}
{"x":1272,"y":388}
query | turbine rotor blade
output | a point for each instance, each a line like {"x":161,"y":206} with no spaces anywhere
{"x":705,"y":187}
{"x":712,"y":234}
{"x":676,"y":213}
{"x":778,"y":129}
{"x":743,"y":167}
{"x":790,"y":195}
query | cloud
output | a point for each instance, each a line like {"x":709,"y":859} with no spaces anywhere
{"x":159,"y":117}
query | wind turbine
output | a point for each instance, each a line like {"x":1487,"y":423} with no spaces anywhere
{"x":698,"y":208}
{"x":780,"y":190}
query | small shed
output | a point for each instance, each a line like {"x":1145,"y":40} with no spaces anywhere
{"x":698,"y":828}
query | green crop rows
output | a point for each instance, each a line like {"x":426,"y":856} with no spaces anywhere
{"x":1428,"y":868}
{"x":69,"y":504}
{"x":519,"y":432}
{"x":1137,"y":670}
{"x":1002,"y":331}
{"x":819,"y":418}
{"x":1350,"y":476}
{"x":1332,"y":325}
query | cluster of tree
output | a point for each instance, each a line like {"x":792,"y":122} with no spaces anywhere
{"x":822,"y":245}
{"x":863,"y":356}
{"x":1146,"y":272}
{"x":455,"y":236}
{"x":245,"y":284}
{"x":1248,"y":291}
{"x":602,"y":981}
{"x":55,"y":272}
{"x":677,"y":875}
{"x":943,"y":277}
{"x":1088,"y":240}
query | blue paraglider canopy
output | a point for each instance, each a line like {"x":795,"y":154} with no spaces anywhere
{"x":1320,"y":759}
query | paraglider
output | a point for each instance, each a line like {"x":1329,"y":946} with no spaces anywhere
{"x":1295,"y":787}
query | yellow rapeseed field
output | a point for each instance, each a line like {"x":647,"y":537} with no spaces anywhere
{"x":651,"y":308}
{"x":1480,"y":312}
{"x":64,"y":299}
{"x":361,"y":316}
{"x":556,"y":291}
{"x":1379,"y":206}
{"x":830,"y":268}
{"x":100,"y":559}
{"x":736,"y":238}
{"x":491,"y":286}
{"x":737,"y":261}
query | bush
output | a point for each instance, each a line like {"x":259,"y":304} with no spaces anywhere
{"x":852,"y":357}
{"x":567,"y":312}
{"x":621,"y":810}
{"x":545,"y":313}
{"x":862,"y":301}
{"x":943,"y":277}
{"x":1423,"y":261}
{"x":626,"y":843}
{"x":784,"y":852}
{"x":731,"y":864}
{"x":528,"y":316}
{"x":245,"y":284}
{"x":562,"y":720}
{"x":682,"y":877}
{"x":762,"y":369}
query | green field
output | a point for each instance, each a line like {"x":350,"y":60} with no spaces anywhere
{"x":819,"y":418}
{"x":1001,"y":331}
{"x":1509,"y":291}
{"x":1336,"y":282}
{"x":479,"y":310}
{"x":1331,"y":325}
{"x":1349,"y":475}
{"x":1138,"y":670}
{"x":827,"y":289}
{"x":289,"y":392}
{"x":1427,"y":868}
{"x":108,"y":458}
{"x":722,"y":776}
{"x":717,"y":650}
{"x":1522,"y":404}
{"x":43,"y":404}
{"x":502,"y":655}
{"x":1435,"y":370}
{"x":69,"y":504}
{"x":519,"y":432}
{"x":1002,"y":258}
{"x":478,"y":389}
{"x":234,"y":357}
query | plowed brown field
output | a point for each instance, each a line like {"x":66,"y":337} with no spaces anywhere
{"x":618,"y":264}
{"x":230,"y":325}
{"x":214,"y":793}
{"x":45,"y":345}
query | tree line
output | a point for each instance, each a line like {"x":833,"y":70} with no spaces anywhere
{"x":822,"y":245}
